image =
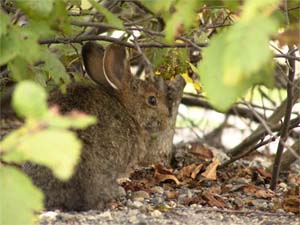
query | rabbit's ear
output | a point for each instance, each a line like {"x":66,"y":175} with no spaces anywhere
{"x":93,"y":55}
{"x":116,"y":66}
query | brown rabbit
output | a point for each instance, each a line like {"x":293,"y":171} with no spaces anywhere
{"x":134,"y":118}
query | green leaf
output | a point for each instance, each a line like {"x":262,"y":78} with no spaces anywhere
{"x":232,"y":62}
{"x":252,"y":39}
{"x":8,"y":49}
{"x":158,"y":6}
{"x":41,"y":28}
{"x":253,"y":8}
{"x":294,"y":12}
{"x":4,"y":22}
{"x":19,"y":69}
{"x":29,"y":100}
{"x":55,"y":148}
{"x":58,"y":18}
{"x":77,"y":3}
{"x":36,"y":9}
{"x":111,"y":18}
{"x":54,"y":67}
{"x":76,"y":120}
{"x":20,"y":199}
{"x":19,"y":42}
{"x":180,"y":20}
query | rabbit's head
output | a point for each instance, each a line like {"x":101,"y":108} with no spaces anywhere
{"x":146,"y":101}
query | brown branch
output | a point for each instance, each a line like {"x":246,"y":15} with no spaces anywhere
{"x":276,"y":116}
{"x":287,"y":56}
{"x":80,"y":39}
{"x":235,"y":110}
{"x":286,"y":123}
{"x":237,"y":157}
{"x":294,"y":122}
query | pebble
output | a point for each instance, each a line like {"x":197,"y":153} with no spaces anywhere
{"x":186,"y":191}
{"x":157,"y":200}
{"x":156,"y":213}
{"x":241,"y":180}
{"x":139,"y":196}
{"x":50,"y":214}
{"x":121,"y":192}
{"x":157,"y":189}
{"x":280,"y":211}
{"x":106,"y":215}
{"x":136,"y":204}
{"x":282,"y":185}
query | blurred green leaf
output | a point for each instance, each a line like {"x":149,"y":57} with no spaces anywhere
{"x":36,"y":9}
{"x":76,"y":120}
{"x":58,"y":18}
{"x":55,"y":148}
{"x":111,"y":18}
{"x":74,"y":2}
{"x":54,"y":67}
{"x":20,"y":199}
{"x":29,"y":100}
{"x":5,"y":21}
{"x":7,"y":48}
{"x":158,"y":6}
{"x":40,"y":28}
{"x":232,"y":62}
{"x":22,"y":42}
{"x":252,"y":38}
{"x":253,"y":8}
{"x":294,"y":12}
{"x":19,"y":69}
{"x":179,"y":20}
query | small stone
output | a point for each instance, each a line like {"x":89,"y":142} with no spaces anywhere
{"x":193,"y":206}
{"x":157,"y":200}
{"x":156,"y":213}
{"x":157,"y":189}
{"x":137,"y":204}
{"x":172,"y":204}
{"x":282,"y":185}
{"x":241,"y":180}
{"x":121,"y":192}
{"x":50,"y":214}
{"x":280,"y":211}
{"x":140,"y":195}
{"x":106,"y":215}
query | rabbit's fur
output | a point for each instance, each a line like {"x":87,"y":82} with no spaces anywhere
{"x":134,"y":119}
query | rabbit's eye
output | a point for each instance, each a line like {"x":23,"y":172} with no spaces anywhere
{"x":152,"y":100}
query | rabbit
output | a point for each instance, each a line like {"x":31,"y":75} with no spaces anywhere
{"x":134,"y":119}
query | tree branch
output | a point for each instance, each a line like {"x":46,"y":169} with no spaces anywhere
{"x":286,"y":123}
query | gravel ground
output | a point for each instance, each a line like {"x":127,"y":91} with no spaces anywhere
{"x":187,"y":215}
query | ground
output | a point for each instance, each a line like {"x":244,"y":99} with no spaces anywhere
{"x":196,"y":191}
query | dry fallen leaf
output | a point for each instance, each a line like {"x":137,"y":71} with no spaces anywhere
{"x":196,"y":171}
{"x":162,"y":174}
{"x":172,"y":194}
{"x":186,"y":171}
{"x":264,"y":173}
{"x":164,"y":177}
{"x":213,"y":200}
{"x":292,"y":204}
{"x":250,"y":189}
{"x":161,"y":169}
{"x":211,"y":171}
{"x":201,"y":150}
{"x":264,"y":193}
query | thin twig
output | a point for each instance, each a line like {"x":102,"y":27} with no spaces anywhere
{"x":289,"y":106}
{"x":67,"y":40}
{"x":286,"y":123}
